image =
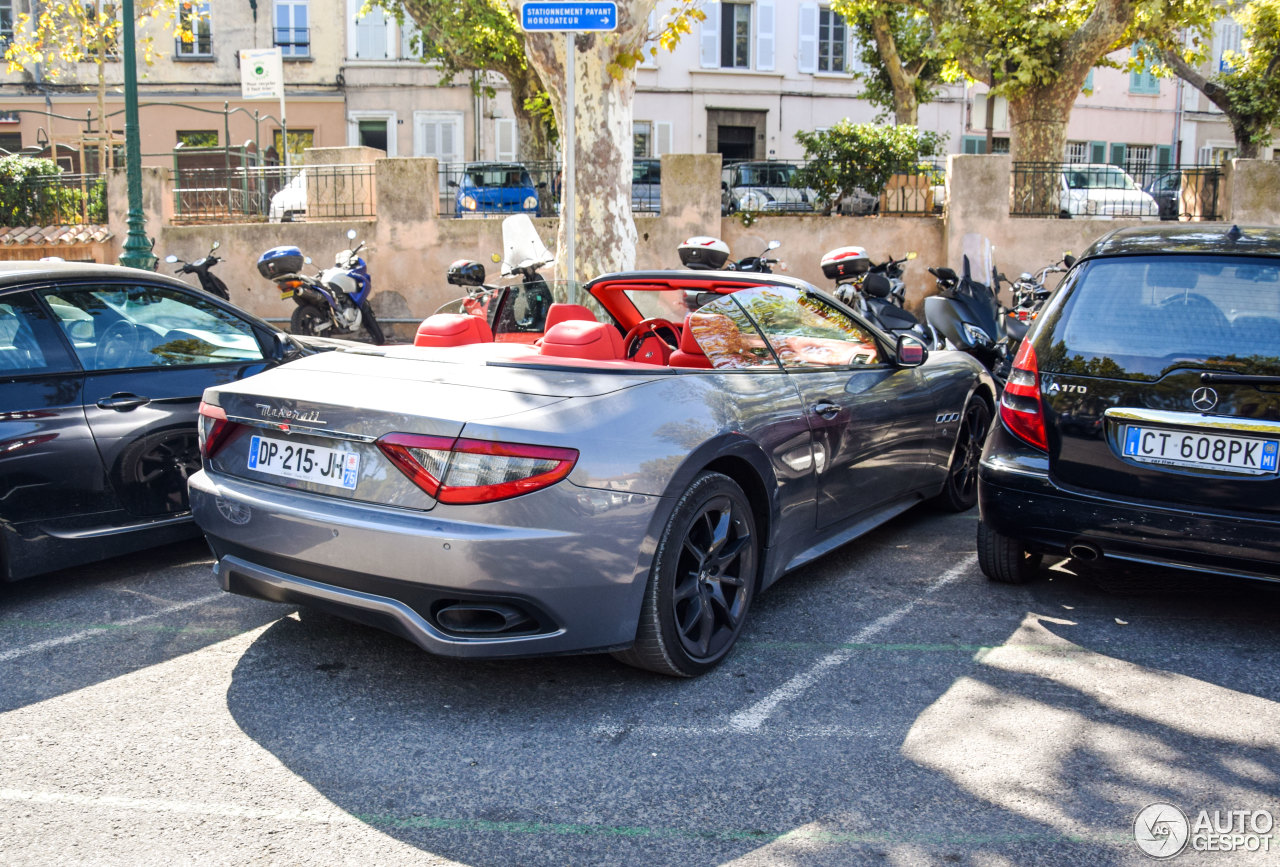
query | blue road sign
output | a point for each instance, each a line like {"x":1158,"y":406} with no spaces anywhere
{"x":551,"y":17}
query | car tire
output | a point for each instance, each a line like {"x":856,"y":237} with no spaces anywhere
{"x":1004,"y":559}
{"x":701,"y":583}
{"x":307,"y":319}
{"x":960,"y":491}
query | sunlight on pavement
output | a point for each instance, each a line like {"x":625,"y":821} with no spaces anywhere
{"x":1013,"y":734}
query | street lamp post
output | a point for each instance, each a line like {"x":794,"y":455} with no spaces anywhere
{"x":137,"y":248}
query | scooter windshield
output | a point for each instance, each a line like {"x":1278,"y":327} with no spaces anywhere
{"x":979,"y":258}
{"x":521,"y":246}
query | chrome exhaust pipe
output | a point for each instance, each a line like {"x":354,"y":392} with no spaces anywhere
{"x":1085,"y":552}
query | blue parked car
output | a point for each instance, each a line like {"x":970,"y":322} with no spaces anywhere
{"x":495,"y":188}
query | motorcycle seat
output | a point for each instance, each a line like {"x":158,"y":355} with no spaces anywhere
{"x":891,"y":316}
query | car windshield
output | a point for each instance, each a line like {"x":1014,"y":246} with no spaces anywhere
{"x":499,"y":176}
{"x":646,"y":173}
{"x":765,"y":176}
{"x":1140,"y":317}
{"x":1099,"y":178}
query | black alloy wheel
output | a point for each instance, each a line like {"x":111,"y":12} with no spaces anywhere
{"x":960,"y":492}
{"x":308,"y":320}
{"x":701,"y":583}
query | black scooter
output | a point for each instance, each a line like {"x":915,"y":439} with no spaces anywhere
{"x":968,"y":314}
{"x":209,"y":282}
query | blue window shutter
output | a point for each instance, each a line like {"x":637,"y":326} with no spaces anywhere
{"x":974,"y":144}
{"x":1117,"y":154}
{"x":1097,"y":152}
{"x":1164,"y":156}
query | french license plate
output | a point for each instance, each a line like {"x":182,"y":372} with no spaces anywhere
{"x":286,"y":293}
{"x":1215,"y":451}
{"x":324,"y":466}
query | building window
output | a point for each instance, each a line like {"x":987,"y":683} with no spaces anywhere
{"x":106,"y":9}
{"x":735,"y":35}
{"x":369,"y":33}
{"x":11,"y":141}
{"x":292,"y":28}
{"x":1142,"y":80}
{"x":833,"y":40}
{"x":1077,"y":152}
{"x":1139,"y":161}
{"x":1230,"y":34}
{"x":642,"y":136}
{"x":6,"y":21}
{"x":299,"y":141}
{"x":410,"y":41}
{"x":193,"y":18}
{"x":198,"y":138}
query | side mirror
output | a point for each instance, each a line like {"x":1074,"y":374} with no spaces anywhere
{"x":351,"y":234}
{"x":1068,"y":259}
{"x":452,"y":184}
{"x":724,"y":186}
{"x":773,"y":245}
{"x":911,"y":351}
{"x":171,"y":258}
{"x":306,"y":259}
{"x":542,"y":185}
{"x":216,"y":245}
{"x":911,"y":255}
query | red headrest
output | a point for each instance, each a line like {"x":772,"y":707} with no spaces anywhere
{"x":689,"y":354}
{"x":578,"y":339}
{"x":452,"y":329}
{"x":558,"y":313}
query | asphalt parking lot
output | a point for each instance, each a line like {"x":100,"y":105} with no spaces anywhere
{"x":887,"y":705}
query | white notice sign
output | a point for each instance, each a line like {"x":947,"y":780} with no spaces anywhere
{"x":261,"y":73}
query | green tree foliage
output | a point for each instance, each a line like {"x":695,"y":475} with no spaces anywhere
{"x":897,"y":43}
{"x":472,"y":37}
{"x":851,"y":156}
{"x":1248,"y":91}
{"x":32,"y":193}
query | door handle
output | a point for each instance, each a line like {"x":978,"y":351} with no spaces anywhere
{"x":122,"y":402}
{"x":825,"y":408}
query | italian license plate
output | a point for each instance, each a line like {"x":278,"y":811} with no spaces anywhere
{"x":1214,"y":451}
{"x":324,"y":466}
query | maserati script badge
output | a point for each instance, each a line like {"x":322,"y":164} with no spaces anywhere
{"x":1204,"y":398}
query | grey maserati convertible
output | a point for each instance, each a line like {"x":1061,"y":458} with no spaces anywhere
{"x":622,"y":475}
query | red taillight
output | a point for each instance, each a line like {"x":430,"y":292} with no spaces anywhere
{"x":1020,"y":406}
{"x":476,"y":471}
{"x":215,"y":430}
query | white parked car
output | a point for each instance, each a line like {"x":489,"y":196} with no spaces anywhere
{"x":1101,"y":190}
{"x":290,"y":202}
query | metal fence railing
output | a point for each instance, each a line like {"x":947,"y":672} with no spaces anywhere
{"x":1096,"y":190}
{"x":54,"y":200}
{"x":274,"y":193}
{"x":776,"y":187}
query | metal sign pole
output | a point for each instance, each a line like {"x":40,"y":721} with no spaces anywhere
{"x":568,"y":205}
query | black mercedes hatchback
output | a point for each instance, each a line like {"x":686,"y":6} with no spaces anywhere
{"x":1141,"y":422}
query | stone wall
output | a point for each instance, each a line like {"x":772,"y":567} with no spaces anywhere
{"x":410,"y":246}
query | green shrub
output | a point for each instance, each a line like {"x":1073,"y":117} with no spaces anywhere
{"x":851,"y":156}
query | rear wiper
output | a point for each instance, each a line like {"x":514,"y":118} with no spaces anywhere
{"x":1238,"y":379}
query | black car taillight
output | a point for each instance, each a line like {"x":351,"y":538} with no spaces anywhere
{"x":214,"y":429}
{"x":466,"y":471}
{"x":1020,"y":406}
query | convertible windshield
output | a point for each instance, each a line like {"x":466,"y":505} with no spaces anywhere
{"x":1101,"y":178}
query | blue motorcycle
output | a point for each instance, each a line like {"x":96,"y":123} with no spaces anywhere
{"x":334,"y":302}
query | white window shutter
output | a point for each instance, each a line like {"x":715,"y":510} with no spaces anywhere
{"x":661,"y":138}
{"x":764,"y":35}
{"x":647,"y":58}
{"x":807,"y":57}
{"x":709,"y":37}
{"x":505,"y":136}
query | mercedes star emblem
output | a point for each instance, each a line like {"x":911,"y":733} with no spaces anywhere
{"x":1204,"y":398}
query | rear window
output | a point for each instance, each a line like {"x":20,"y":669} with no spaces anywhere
{"x":1140,"y":317}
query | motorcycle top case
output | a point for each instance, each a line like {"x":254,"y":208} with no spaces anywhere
{"x":845,"y":262}
{"x":280,"y":260}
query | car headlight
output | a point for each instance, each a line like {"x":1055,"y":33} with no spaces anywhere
{"x":469,"y":203}
{"x":754,"y":200}
{"x":531,"y":203}
{"x":976,"y":335}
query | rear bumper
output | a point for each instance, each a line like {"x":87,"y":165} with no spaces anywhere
{"x":566,"y":565}
{"x":1017,"y":498}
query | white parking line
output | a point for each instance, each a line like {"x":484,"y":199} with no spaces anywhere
{"x":90,"y":633}
{"x":752,"y":718}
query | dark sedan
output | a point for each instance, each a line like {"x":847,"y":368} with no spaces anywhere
{"x":101,"y":372}
{"x":1141,"y":421}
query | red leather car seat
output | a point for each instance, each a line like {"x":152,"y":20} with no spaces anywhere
{"x":452,"y":329}
{"x":578,"y":339}
{"x":559,"y":312}
{"x":689,"y":354}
